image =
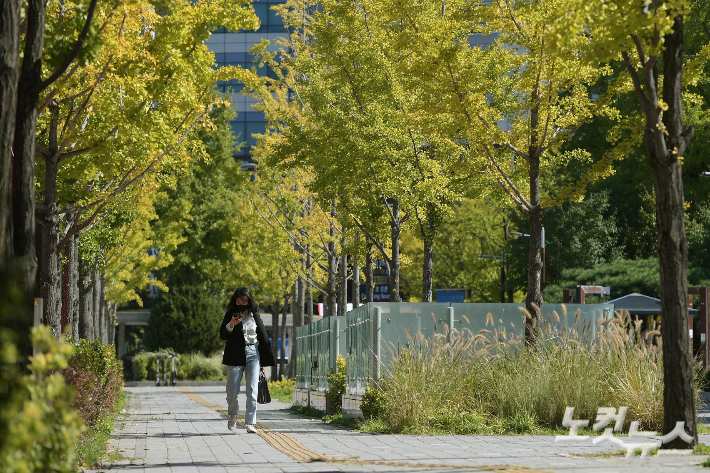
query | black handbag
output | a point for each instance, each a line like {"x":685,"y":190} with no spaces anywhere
{"x":263,"y":397}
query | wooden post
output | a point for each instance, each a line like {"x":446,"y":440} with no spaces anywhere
{"x":568,"y":296}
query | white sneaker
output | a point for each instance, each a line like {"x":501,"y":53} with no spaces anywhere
{"x":251,"y":429}
{"x":231,"y":422}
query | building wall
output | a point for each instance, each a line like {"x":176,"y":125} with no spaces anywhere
{"x":232,"y":49}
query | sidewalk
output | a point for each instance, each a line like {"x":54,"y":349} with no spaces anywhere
{"x":166,"y":429}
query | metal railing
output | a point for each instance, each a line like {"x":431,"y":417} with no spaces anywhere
{"x":370,"y":333}
{"x":318,"y":347}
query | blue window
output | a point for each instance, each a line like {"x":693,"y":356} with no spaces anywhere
{"x":253,"y":127}
{"x":261,"y":11}
{"x":234,"y":58}
{"x":274,"y":19}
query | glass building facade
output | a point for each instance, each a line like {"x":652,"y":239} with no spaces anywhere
{"x":232,"y":49}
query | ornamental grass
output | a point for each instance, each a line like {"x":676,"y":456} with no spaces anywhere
{"x":492,"y":382}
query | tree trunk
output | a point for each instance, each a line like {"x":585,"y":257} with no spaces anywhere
{"x":9,"y":73}
{"x":369,"y":276}
{"x":274,"y":336}
{"x":111,"y":308}
{"x":343,"y":286}
{"x":96,"y":300}
{"x":282,"y":335}
{"x":50,"y":262}
{"x":86,"y":303}
{"x":330,"y":297}
{"x":309,"y":286}
{"x":50,"y":285}
{"x":356,"y":283}
{"x":69,"y":290}
{"x":22,"y":180}
{"x":678,"y":376}
{"x":533,"y":300}
{"x":428,"y":272}
{"x":428,"y":231}
{"x":294,"y":299}
{"x":294,"y":316}
{"x":66,"y":309}
{"x":23,"y":172}
{"x":301,"y":296}
{"x":394,"y":262}
{"x":74,"y":282}
{"x":104,"y":312}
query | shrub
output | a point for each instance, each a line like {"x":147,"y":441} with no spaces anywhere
{"x":98,"y":378}
{"x":127,"y":360}
{"x":39,"y":428}
{"x":185,"y":320}
{"x":373,"y":402}
{"x":193,"y":366}
{"x":282,"y":389}
{"x":199,"y":367}
{"x":141,"y":364}
{"x":336,"y":379}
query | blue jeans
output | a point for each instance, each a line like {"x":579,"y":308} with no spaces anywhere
{"x":234,"y":380}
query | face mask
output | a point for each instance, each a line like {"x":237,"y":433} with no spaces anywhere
{"x":242,"y":308}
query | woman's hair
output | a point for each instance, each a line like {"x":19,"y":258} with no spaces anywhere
{"x":246,"y":294}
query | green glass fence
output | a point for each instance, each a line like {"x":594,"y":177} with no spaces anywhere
{"x":318,"y":346}
{"x":375,"y":331}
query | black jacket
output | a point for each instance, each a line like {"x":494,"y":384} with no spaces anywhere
{"x":234,"y":351}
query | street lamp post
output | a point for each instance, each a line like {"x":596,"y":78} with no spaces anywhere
{"x":502,"y":272}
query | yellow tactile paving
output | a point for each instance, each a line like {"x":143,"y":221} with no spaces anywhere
{"x":295,"y":450}
{"x":280,"y":441}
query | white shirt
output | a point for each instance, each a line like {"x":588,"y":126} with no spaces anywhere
{"x":249,"y":329}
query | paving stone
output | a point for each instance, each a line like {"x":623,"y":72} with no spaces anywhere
{"x":164,"y":431}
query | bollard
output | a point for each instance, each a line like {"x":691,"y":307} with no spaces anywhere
{"x":165,"y":372}
{"x":173,"y":373}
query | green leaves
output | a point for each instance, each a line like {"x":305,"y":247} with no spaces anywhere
{"x":187,"y":320}
{"x":39,"y":425}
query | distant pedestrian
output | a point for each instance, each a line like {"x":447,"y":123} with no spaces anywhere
{"x":248,"y":349}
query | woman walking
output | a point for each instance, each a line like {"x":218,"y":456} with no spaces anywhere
{"x":248,"y":349}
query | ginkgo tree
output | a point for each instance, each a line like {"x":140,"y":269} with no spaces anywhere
{"x":341,"y":108}
{"x":486,"y":70}
{"x":126,"y":115}
{"x":648,"y":38}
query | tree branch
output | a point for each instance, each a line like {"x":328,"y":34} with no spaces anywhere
{"x":384,"y":199}
{"x":643,"y":101}
{"x":521,"y":199}
{"x":125,"y":185}
{"x":369,"y":236}
{"x":290,"y":235}
{"x":513,"y":19}
{"x":74,"y":51}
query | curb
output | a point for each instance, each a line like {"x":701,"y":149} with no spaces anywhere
{"x":148,"y":384}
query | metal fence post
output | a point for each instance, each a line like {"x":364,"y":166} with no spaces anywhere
{"x":334,"y":343}
{"x":376,"y":344}
{"x":450,"y":311}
